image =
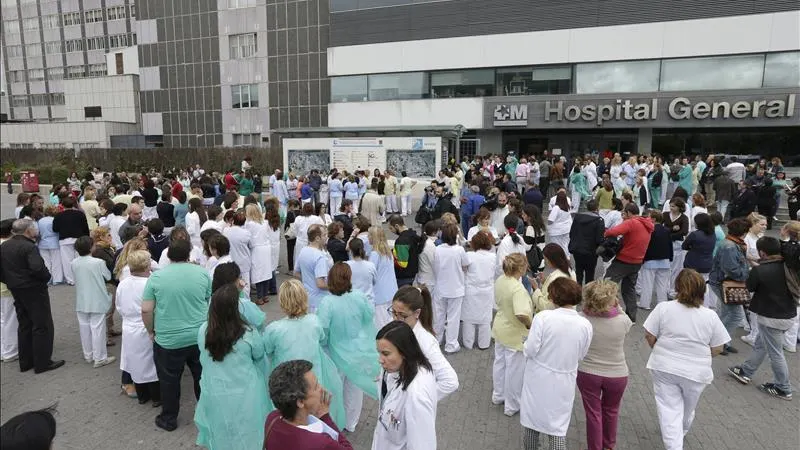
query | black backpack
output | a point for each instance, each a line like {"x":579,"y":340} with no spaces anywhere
{"x":658,"y":177}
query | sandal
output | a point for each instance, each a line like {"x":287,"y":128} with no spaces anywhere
{"x":259,"y":301}
{"x":129,"y":390}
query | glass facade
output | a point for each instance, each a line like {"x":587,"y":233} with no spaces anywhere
{"x":772,"y":70}
{"x":723,"y":72}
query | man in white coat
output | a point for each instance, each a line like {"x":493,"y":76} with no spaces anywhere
{"x":499,"y":215}
{"x":136,"y":357}
{"x":372,"y":206}
{"x":390,"y":191}
{"x":589,"y":170}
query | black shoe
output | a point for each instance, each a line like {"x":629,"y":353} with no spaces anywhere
{"x":724,"y":351}
{"x":52,"y":366}
{"x":164,"y":425}
{"x":142,"y":401}
{"x":156,"y":404}
{"x":732,"y":350}
{"x":775,"y":391}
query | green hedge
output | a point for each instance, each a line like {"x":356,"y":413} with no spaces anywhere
{"x":55,"y":165}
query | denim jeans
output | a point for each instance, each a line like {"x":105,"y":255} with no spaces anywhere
{"x":169,"y":366}
{"x":769,"y":343}
{"x":272,"y":284}
{"x":626,"y":275}
{"x":730,"y":315}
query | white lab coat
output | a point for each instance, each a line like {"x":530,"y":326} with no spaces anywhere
{"x":136,"y":356}
{"x":274,"y":237}
{"x":193,"y":227}
{"x":241,"y":247}
{"x":261,"y":253}
{"x":557,"y":341}
{"x":590,"y":172}
{"x":479,"y":295}
{"x":445,"y":375}
{"x":507,"y":247}
{"x":407,"y":418}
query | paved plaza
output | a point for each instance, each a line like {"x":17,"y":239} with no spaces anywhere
{"x":93,"y":415}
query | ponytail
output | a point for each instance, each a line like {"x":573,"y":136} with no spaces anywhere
{"x":510,"y":222}
{"x":417,"y":298}
{"x":426,"y":312}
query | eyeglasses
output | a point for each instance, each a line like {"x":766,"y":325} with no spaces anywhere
{"x":397,"y":315}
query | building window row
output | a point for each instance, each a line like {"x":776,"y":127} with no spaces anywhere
{"x":244,"y":96}
{"x":247,"y":140}
{"x":36,"y":74}
{"x":53,"y":47}
{"x":11,"y":26}
{"x":93,"y":15}
{"x":16,"y":76}
{"x":96,"y":15}
{"x":30,"y":24}
{"x":234,"y":4}
{"x":242,"y":45}
{"x":98,"y":70}
{"x":52,"y":99}
{"x":51,"y":21}
{"x":771,"y":70}
{"x":33,"y":49}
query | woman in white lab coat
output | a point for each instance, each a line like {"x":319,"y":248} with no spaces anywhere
{"x":273,"y":218}
{"x":476,"y":312}
{"x":427,"y":256}
{"x":511,"y":243}
{"x":195,"y":220}
{"x":260,"y":254}
{"x":414,"y":306}
{"x":407,"y":392}
{"x":557,"y":342}
{"x":136,"y":356}
{"x":302,"y":223}
{"x":241,"y":245}
{"x":559,"y":222}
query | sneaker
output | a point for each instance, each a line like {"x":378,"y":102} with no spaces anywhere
{"x":105,"y":362}
{"x":10,"y":359}
{"x":790,"y":349}
{"x":749,"y":341}
{"x":775,"y":391}
{"x":731,"y":349}
{"x":89,"y":360}
{"x":738,"y":373}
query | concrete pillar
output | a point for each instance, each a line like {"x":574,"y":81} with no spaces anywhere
{"x":644,"y":144}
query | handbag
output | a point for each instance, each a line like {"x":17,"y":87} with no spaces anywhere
{"x":291,"y":232}
{"x":735,"y":293}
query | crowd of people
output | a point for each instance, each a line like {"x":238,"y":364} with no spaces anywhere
{"x":508,"y":250}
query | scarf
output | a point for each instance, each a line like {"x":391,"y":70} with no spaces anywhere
{"x":738,"y":241}
{"x":613,"y":312}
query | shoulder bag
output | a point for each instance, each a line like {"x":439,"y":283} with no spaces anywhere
{"x":735,"y":293}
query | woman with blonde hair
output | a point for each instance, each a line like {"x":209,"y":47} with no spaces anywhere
{"x":684,"y":335}
{"x":450,"y":218}
{"x":121,"y":268}
{"x":603,"y":372}
{"x":386,"y":281}
{"x":558,"y":261}
{"x":90,"y":206}
{"x":260,"y":253}
{"x":300,"y":335}
{"x":758,"y":224}
{"x":511,"y":324}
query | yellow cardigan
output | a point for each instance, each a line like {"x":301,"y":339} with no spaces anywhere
{"x":541,"y":301}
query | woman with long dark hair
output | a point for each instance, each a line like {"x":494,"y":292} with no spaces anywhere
{"x":273,"y":219}
{"x":559,"y":222}
{"x":229,"y":273}
{"x":195,"y":220}
{"x":233,"y":386}
{"x":408,"y":395}
{"x":511,"y":243}
{"x":558,"y":261}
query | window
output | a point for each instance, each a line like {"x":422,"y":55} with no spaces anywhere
{"x":73,"y":45}
{"x":398,"y":86}
{"x":244,"y":96}
{"x":57,"y":98}
{"x":349,"y":89}
{"x":116,"y":12}
{"x":93,"y":15}
{"x":724,"y":72}
{"x":19,"y":100}
{"x":98,"y":70}
{"x":53,"y":47}
{"x":72,"y":18}
{"x":628,"y":76}
{"x":54,"y":145}
{"x":133,"y":11}
{"x":36,"y":74}
{"x":96,"y":43}
{"x":30,"y":24}
{"x":14,"y":51}
{"x":119,"y":63}
{"x":56,"y":73}
{"x":462,"y":83}
{"x":233,"y":4}
{"x":242,"y":45}
{"x":91,"y":112}
{"x":119,"y":41}
{"x":782,"y":70}
{"x":11,"y":26}
{"x":16,"y":76}
{"x":76,"y":72}
{"x":50,"y":22}
{"x":246,"y":140}
{"x":21,"y":145}
{"x":33,"y":50}
{"x":40,"y":99}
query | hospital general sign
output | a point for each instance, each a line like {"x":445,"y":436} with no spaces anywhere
{"x":664,"y":111}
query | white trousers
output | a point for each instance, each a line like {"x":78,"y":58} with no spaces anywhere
{"x":92,"y":327}
{"x":508,"y":372}
{"x":650,"y":279}
{"x":404,"y":204}
{"x":8,"y":328}
{"x":353,"y":399}
{"x":382,"y":315}
{"x":790,"y":337}
{"x":676,"y":400}
{"x":336,"y":203}
{"x":576,"y":202}
{"x":484,"y":334}
{"x":67,"y":249}
{"x":675,"y":267}
{"x":52,"y":260}
{"x":391,"y":204}
{"x":562,"y":240}
{"x":446,"y":321}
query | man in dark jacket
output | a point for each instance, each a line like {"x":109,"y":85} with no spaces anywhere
{"x":744,"y":201}
{"x":22,"y":269}
{"x":533,"y":196}
{"x":584,"y":237}
{"x":724,"y":190}
{"x":444,"y":204}
{"x":405,"y":251}
{"x":775,"y":310}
